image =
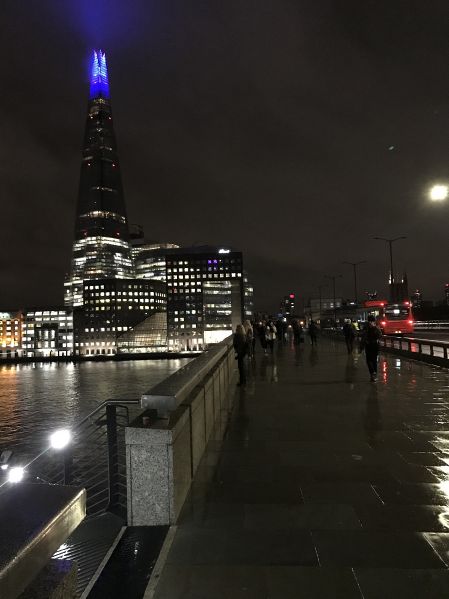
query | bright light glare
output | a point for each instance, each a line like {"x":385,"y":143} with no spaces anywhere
{"x":439,"y":193}
{"x":4,"y":466}
{"x":16,"y":474}
{"x":60,"y":439}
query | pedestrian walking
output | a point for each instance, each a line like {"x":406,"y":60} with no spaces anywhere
{"x":297,"y":331}
{"x":349,"y":334}
{"x":249,"y":333}
{"x":253,"y":344}
{"x":313,"y":330}
{"x":370,"y":344}
{"x":261,"y":331}
{"x":241,"y":349}
{"x":270,"y":335}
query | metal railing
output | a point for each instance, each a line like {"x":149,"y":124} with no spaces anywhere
{"x":431,"y":325}
{"x":427,"y":349}
{"x":95,"y":459}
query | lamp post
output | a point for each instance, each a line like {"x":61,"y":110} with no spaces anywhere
{"x":354,"y":266}
{"x":390,"y":243}
{"x":332,"y":278}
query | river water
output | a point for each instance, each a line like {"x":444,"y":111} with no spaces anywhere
{"x":36,"y":399}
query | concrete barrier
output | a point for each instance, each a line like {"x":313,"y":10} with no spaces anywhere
{"x":162,"y":458}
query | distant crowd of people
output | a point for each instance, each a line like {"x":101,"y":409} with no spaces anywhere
{"x":267,"y":331}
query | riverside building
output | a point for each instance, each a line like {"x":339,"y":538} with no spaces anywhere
{"x":114,"y":307}
{"x":208,"y":292}
{"x":205,"y":295}
{"x":10,"y":334}
{"x":47,"y":332}
{"x":101,"y":247}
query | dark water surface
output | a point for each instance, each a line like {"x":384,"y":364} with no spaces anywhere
{"x":36,"y":399}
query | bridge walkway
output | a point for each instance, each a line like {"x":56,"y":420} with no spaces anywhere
{"x":326,"y":485}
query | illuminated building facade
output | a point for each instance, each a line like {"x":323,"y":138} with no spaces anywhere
{"x":111,"y":308}
{"x":10,"y":334}
{"x":150,"y":259}
{"x":288,"y":305}
{"x":446,"y":293}
{"x":48,"y":332}
{"x":205,"y":295}
{"x":101,"y":248}
{"x":248,"y":293}
{"x":416,"y":299}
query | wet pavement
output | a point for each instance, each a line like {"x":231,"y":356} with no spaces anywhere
{"x":326,"y":485}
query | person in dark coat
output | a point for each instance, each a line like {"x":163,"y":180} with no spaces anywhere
{"x":240,"y":343}
{"x":349,"y":333}
{"x":270,"y":335}
{"x":261,"y":332}
{"x":313,"y":330}
{"x":297,"y":331}
{"x":370,"y":343}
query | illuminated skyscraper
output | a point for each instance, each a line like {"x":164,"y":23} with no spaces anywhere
{"x":101,"y":248}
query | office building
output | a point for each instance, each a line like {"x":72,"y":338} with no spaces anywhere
{"x":416,"y":299}
{"x":248,"y":299}
{"x":150,"y":259}
{"x":47,"y":332}
{"x":101,"y":247}
{"x":10,"y":334}
{"x":205,"y":295}
{"x":287,"y":307}
{"x":113,"y":307}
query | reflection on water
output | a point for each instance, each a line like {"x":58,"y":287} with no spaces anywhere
{"x":37,"y":398}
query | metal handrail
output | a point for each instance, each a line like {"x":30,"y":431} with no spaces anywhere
{"x":391,"y":341}
{"x":432,"y":324}
{"x":107,"y":402}
{"x":95,"y":459}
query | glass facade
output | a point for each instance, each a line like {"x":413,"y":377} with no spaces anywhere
{"x":149,"y":260}
{"x":101,"y":248}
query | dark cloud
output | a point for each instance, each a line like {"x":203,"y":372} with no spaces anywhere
{"x":266,"y":125}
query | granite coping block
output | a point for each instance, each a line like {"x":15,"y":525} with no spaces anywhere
{"x":169,"y":393}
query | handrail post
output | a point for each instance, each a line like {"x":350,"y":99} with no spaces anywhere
{"x":111,"y":428}
{"x":431,"y":349}
{"x":68,"y":465}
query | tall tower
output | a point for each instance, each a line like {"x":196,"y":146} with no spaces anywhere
{"x":101,"y":248}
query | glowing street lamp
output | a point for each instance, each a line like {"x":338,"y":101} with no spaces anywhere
{"x":60,"y":439}
{"x":438,"y":193}
{"x":15,"y":475}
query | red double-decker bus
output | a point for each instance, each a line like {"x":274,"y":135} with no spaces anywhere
{"x":397,"y":319}
{"x":393,"y":319}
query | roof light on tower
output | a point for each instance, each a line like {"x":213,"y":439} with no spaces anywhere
{"x":99,"y":84}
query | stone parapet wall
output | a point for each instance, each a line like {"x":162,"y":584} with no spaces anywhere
{"x":162,"y":458}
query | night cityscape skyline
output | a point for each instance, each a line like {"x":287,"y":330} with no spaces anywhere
{"x":326,"y":139}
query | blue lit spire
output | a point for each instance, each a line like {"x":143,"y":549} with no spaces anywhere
{"x":99,"y":85}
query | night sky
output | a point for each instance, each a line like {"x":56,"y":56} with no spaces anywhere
{"x":294,"y":131}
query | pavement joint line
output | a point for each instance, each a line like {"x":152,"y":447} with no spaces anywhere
{"x":103,"y":563}
{"x":160,"y":563}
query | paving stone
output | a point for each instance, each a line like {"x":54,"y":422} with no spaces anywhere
{"x":394,"y":583}
{"x":321,"y":472}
